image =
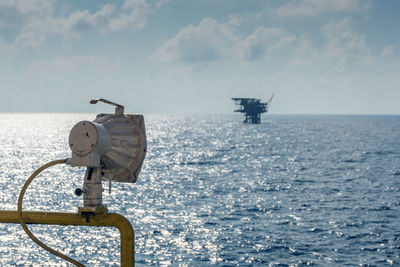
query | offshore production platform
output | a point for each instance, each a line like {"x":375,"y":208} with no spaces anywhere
{"x":252,"y":108}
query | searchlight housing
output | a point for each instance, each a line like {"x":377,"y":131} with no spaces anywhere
{"x":112,"y":147}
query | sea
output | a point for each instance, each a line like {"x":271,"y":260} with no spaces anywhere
{"x":295,"y":190}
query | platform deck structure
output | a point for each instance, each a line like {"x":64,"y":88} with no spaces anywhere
{"x":252,"y":108}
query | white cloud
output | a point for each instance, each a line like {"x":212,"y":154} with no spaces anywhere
{"x":34,"y":19}
{"x":206,"y":42}
{"x":340,"y":50}
{"x":263,"y":41}
{"x":29,"y":39}
{"x":335,"y":69}
{"x":80,"y":21}
{"x":23,"y":16}
{"x":237,"y":20}
{"x":316,"y":7}
{"x":344,"y":44}
{"x":132,"y":15}
{"x":211,"y":40}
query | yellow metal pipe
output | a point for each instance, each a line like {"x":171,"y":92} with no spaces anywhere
{"x":90,"y":219}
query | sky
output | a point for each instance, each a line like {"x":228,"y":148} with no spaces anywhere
{"x":192,"y":57}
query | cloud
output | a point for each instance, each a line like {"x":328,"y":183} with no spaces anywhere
{"x":34,"y":19}
{"x":339,"y":50}
{"x":344,"y":44}
{"x":80,"y":21}
{"x":132,"y":15}
{"x":332,"y":62}
{"x":22,"y":16}
{"x":310,"y":8}
{"x":29,"y":39}
{"x":15,"y":13}
{"x":210,"y":41}
{"x":263,"y":41}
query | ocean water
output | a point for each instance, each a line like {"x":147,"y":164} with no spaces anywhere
{"x":292,"y":191}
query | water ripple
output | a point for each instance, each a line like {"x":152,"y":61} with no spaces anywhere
{"x":293,"y":191}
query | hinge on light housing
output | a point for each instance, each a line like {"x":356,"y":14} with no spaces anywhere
{"x":119,"y":110}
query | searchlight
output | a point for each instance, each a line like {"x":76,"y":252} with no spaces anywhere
{"x":112,"y":147}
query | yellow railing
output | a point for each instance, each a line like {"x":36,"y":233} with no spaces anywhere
{"x":79,"y":219}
